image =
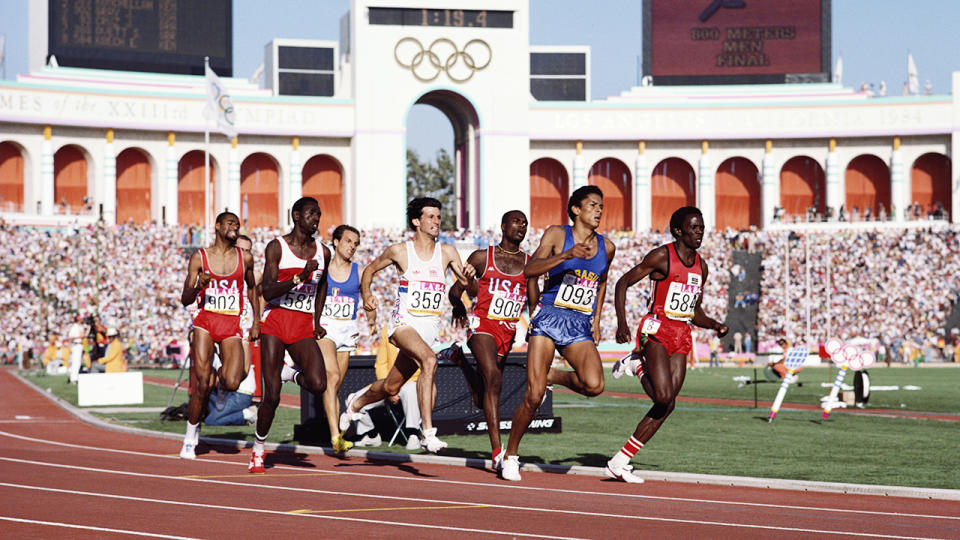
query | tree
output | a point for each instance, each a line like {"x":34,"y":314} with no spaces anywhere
{"x":426,"y":179}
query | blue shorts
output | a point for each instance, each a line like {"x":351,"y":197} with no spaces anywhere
{"x":563,"y":326}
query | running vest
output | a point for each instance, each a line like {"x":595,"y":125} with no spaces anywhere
{"x":675,"y":296}
{"x":223,"y":294}
{"x":500,"y":296}
{"x":302,"y":296}
{"x":422,"y":284}
{"x":343,"y":297}
{"x":573,"y":284}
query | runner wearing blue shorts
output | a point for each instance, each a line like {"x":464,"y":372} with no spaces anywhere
{"x":575,"y":259}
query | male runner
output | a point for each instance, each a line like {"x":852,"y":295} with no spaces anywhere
{"x":678,"y":274}
{"x":215,"y":280}
{"x":415,"y":322}
{"x":501,"y":292}
{"x":339,"y":319}
{"x":576,"y":260}
{"x":247,"y":316}
{"x":294,"y":286}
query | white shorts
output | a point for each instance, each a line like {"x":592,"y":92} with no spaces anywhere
{"x":344,"y":334}
{"x":427,"y":327}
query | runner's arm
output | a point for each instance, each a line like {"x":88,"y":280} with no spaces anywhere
{"x":477,"y":260}
{"x":655,"y":260}
{"x":190,"y":284}
{"x":320,"y":299}
{"x":548,"y":253}
{"x":611,"y":250}
{"x":391,"y":255}
{"x":464,"y":274}
{"x":253,"y":295}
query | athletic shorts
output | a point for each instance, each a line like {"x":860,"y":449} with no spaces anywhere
{"x":563,"y":326}
{"x":427,"y":327}
{"x":503,"y":333}
{"x":344,"y":334}
{"x":675,"y":336}
{"x":218,"y":325}
{"x":287,"y":325}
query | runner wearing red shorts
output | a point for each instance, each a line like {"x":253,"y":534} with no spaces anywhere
{"x":501,"y":293}
{"x":294,"y":285}
{"x":678,"y":274}
{"x":215,"y":281}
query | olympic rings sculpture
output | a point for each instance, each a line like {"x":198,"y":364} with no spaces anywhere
{"x":443,"y":55}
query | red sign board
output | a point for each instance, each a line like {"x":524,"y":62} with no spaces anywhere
{"x":736,"y":41}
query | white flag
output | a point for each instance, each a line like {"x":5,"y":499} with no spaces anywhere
{"x":913,"y":79}
{"x":838,"y":71}
{"x":219,"y":105}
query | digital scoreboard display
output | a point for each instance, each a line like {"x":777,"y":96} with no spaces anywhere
{"x":162,"y":36}
{"x":736,"y":41}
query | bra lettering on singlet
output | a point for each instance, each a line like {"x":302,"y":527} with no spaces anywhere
{"x":576,"y":293}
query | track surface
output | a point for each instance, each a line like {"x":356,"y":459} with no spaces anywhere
{"x":60,"y":476}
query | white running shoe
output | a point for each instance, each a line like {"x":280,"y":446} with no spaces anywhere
{"x":624,"y":474}
{"x":288,"y":373}
{"x":413,"y":443}
{"x":430,"y":442}
{"x":250,"y":415}
{"x":188,"y":450}
{"x":349,"y":416}
{"x":510,"y":468}
{"x":626,"y":366}
{"x":497,"y":457}
{"x":367,"y":440}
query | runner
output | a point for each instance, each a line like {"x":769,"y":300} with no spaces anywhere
{"x":576,"y":260}
{"x":501,"y":292}
{"x":247,"y":316}
{"x":215,"y":280}
{"x":339,"y":319}
{"x":415,"y":323}
{"x":294,"y":286}
{"x":678,"y":275}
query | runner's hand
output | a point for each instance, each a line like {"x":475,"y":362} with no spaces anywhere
{"x":318,"y":330}
{"x":308,"y":270}
{"x":459,"y":317}
{"x":579,"y":251}
{"x":254,"y":331}
{"x":202,"y":279}
{"x":722,"y":331}
{"x":623,"y":331}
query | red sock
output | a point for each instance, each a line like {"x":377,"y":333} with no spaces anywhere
{"x":631,"y":448}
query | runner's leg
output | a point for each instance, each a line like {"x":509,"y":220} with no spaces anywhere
{"x":412,"y":346}
{"x":271,"y":361}
{"x":331,"y":404}
{"x":313,"y":372}
{"x":200,"y":373}
{"x":484,"y":348}
{"x":587,"y":375}
{"x":539,"y":356}
{"x":663,"y":376}
{"x":231,"y":372}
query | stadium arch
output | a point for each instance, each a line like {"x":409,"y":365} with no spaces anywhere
{"x":672,"y":185}
{"x":13,"y":184}
{"x":135,"y":178}
{"x":72,"y":178}
{"x":549,"y":193}
{"x":323,"y":180}
{"x":613,"y":177}
{"x":930,"y":181}
{"x":260,"y":191}
{"x":190,"y":189}
{"x":867,"y":185}
{"x":803,"y":183}
{"x":738,"y":188}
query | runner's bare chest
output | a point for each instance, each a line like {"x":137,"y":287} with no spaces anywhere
{"x":222,"y":263}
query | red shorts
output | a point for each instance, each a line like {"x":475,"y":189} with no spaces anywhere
{"x":287,"y":325}
{"x":218,"y":325}
{"x":675,"y":336}
{"x":503,"y":333}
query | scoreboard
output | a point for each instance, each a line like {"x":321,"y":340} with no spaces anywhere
{"x":162,"y":36}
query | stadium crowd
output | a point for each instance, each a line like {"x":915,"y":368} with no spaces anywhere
{"x":896,"y":285}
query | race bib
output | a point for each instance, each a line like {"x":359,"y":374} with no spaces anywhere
{"x":299,"y":298}
{"x":576,"y":293}
{"x":222,"y":300}
{"x":649,"y":325}
{"x":424,"y":298}
{"x":681,"y":301}
{"x":339,"y":308}
{"x":505,"y":306}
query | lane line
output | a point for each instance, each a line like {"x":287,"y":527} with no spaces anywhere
{"x":92,"y":528}
{"x":438,"y":501}
{"x":283,"y":513}
{"x":247,"y":475}
{"x":504,"y":486}
{"x":455,"y":507}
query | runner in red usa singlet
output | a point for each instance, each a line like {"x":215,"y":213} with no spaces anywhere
{"x":663,"y":338}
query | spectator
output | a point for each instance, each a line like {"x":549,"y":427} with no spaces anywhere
{"x":714,"y":344}
{"x":233,"y":408}
{"x":738,"y":343}
{"x":114,"y":361}
{"x":747,"y":343}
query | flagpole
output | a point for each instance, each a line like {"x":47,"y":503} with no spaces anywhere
{"x":206,"y":164}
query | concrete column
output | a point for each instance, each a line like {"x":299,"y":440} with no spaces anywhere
{"x":836,"y":185}
{"x":771,"y":187}
{"x":642,"y":220}
{"x":45,"y":193}
{"x":579,"y":169}
{"x":108,"y":182}
{"x":231,"y":198}
{"x":295,"y":184}
{"x":899,"y":183}
{"x":706,"y":191}
{"x":173,"y":184}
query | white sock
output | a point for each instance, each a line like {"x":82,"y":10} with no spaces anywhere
{"x":258,"y":444}
{"x":289,"y":374}
{"x":193,"y":433}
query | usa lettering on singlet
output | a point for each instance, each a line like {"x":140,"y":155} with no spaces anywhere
{"x":303,"y":296}
{"x":343,"y":296}
{"x":422,"y":284}
{"x":223,"y":294}
{"x":675,"y":297}
{"x":500,"y":296}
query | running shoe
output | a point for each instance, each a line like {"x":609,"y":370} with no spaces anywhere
{"x":624,"y":473}
{"x":413,"y":442}
{"x":256,"y":464}
{"x":368,"y":440}
{"x":498,"y":458}
{"x":430,"y":442}
{"x":188,"y":451}
{"x":510,"y":468}
{"x":628,"y":365}
{"x":288,"y":373}
{"x":349,"y":416}
{"x":341,"y":445}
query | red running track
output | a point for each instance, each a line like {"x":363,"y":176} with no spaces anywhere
{"x":60,"y":476}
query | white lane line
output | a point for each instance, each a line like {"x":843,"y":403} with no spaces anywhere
{"x":92,"y":528}
{"x":499,"y":485}
{"x":30,"y":420}
{"x":437,"y":501}
{"x":280,"y":512}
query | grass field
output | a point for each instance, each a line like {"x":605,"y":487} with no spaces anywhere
{"x":708,"y":439}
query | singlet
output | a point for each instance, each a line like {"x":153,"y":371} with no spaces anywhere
{"x":500,"y":296}
{"x":573,"y":284}
{"x":675,"y":296}
{"x":422,"y":284}
{"x":223,"y":294}
{"x":302,"y":296}
{"x":343,"y":297}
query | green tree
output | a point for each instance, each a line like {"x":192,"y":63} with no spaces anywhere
{"x":433,"y":179}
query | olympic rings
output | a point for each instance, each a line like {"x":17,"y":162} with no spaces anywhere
{"x":410,"y":54}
